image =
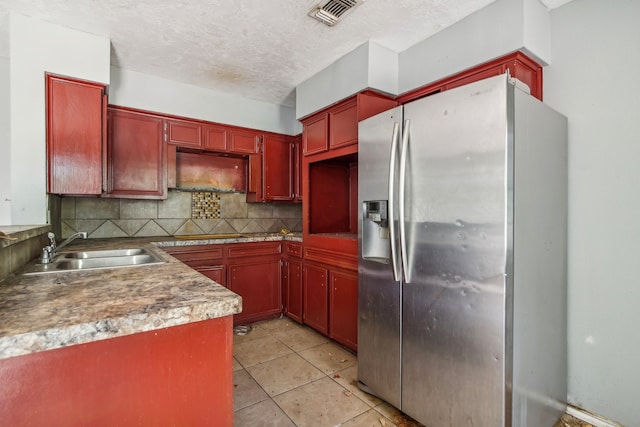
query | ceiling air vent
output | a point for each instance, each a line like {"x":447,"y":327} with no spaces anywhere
{"x":329,"y":12}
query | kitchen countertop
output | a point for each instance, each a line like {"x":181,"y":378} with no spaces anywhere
{"x":54,"y":310}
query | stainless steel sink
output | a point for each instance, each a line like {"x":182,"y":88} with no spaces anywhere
{"x":106,"y":253}
{"x":92,"y":260}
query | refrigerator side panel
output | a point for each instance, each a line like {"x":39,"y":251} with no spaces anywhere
{"x":540,"y":264}
{"x":378,"y":294}
{"x":453,"y":359}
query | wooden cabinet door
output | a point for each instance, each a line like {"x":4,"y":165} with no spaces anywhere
{"x":255,"y":192}
{"x":217,"y":273}
{"x":297,"y":176}
{"x":136,"y":156}
{"x":184,"y":133}
{"x":278,"y":167}
{"x":76,"y":113}
{"x":343,"y":303}
{"x":258,"y":283}
{"x":292,"y":287}
{"x":343,"y":125}
{"x":242,"y":141}
{"x":315,"y":298}
{"x":215,"y":138}
{"x":314,"y":135}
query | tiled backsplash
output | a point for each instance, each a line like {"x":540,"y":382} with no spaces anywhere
{"x":28,"y":244}
{"x":180,"y":214}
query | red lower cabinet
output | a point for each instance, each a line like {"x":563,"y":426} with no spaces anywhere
{"x":258,"y":283}
{"x":217,"y":273}
{"x":180,"y":375}
{"x":343,"y":307}
{"x":292,"y":288}
{"x":316,"y":298}
{"x":330,"y":291}
{"x":251,"y":270}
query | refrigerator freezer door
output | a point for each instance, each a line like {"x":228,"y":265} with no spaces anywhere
{"x":378,"y":293}
{"x":453,"y":314}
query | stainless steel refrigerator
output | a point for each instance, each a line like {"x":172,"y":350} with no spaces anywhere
{"x":462,"y":257}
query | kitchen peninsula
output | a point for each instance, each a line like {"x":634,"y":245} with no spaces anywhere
{"x":143,"y":345}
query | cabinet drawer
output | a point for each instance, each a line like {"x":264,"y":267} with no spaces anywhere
{"x":253,"y":249}
{"x":294,"y":249}
{"x":196,"y":254}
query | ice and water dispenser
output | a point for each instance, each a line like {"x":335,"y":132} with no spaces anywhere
{"x":375,"y":231}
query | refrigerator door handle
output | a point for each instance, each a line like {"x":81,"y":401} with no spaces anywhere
{"x":392,"y":201}
{"x":401,"y":201}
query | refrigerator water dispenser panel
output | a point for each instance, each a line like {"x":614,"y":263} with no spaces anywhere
{"x":375,"y":231}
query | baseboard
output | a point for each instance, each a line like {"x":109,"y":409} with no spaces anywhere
{"x":590,"y":418}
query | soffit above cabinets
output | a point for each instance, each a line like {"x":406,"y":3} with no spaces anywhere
{"x":246,"y":48}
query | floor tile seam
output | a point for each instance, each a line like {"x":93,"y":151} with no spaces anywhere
{"x":279,"y":357}
{"x":351,"y":393}
{"x":263,"y":362}
{"x":261,"y":388}
{"x":275,"y":403}
{"x":367,"y":406}
{"x":285,"y":391}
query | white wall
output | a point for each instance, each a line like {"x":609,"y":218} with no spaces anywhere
{"x":593,"y":80}
{"x":343,"y":78}
{"x":383,"y":69}
{"x":5,"y":146}
{"x":502,"y":27}
{"x":137,"y":90}
{"x":369,"y":66}
{"x":36,"y":47}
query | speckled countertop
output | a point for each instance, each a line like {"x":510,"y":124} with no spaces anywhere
{"x":48,"y":311}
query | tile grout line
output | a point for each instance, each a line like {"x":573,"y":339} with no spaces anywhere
{"x":330,"y":376}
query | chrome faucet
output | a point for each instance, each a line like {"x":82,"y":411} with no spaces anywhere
{"x":48,"y":252}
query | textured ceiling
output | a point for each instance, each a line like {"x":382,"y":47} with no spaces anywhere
{"x":253,"y":48}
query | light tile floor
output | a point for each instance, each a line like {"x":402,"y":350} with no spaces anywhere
{"x":286,"y":374}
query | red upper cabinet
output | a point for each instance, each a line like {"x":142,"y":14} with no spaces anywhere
{"x":343,"y":125}
{"x":274,"y":173}
{"x":278,"y":159}
{"x":76,"y":118}
{"x":136,"y":155}
{"x":297,"y":177}
{"x":314,"y":137}
{"x":184,"y":133}
{"x":243,"y":141}
{"x":518,"y":64}
{"x":215,"y":138}
{"x":337,"y":126}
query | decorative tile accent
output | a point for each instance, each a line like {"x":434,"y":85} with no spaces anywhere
{"x":205,"y":205}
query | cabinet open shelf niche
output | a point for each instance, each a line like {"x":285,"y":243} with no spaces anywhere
{"x":333,"y":197}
